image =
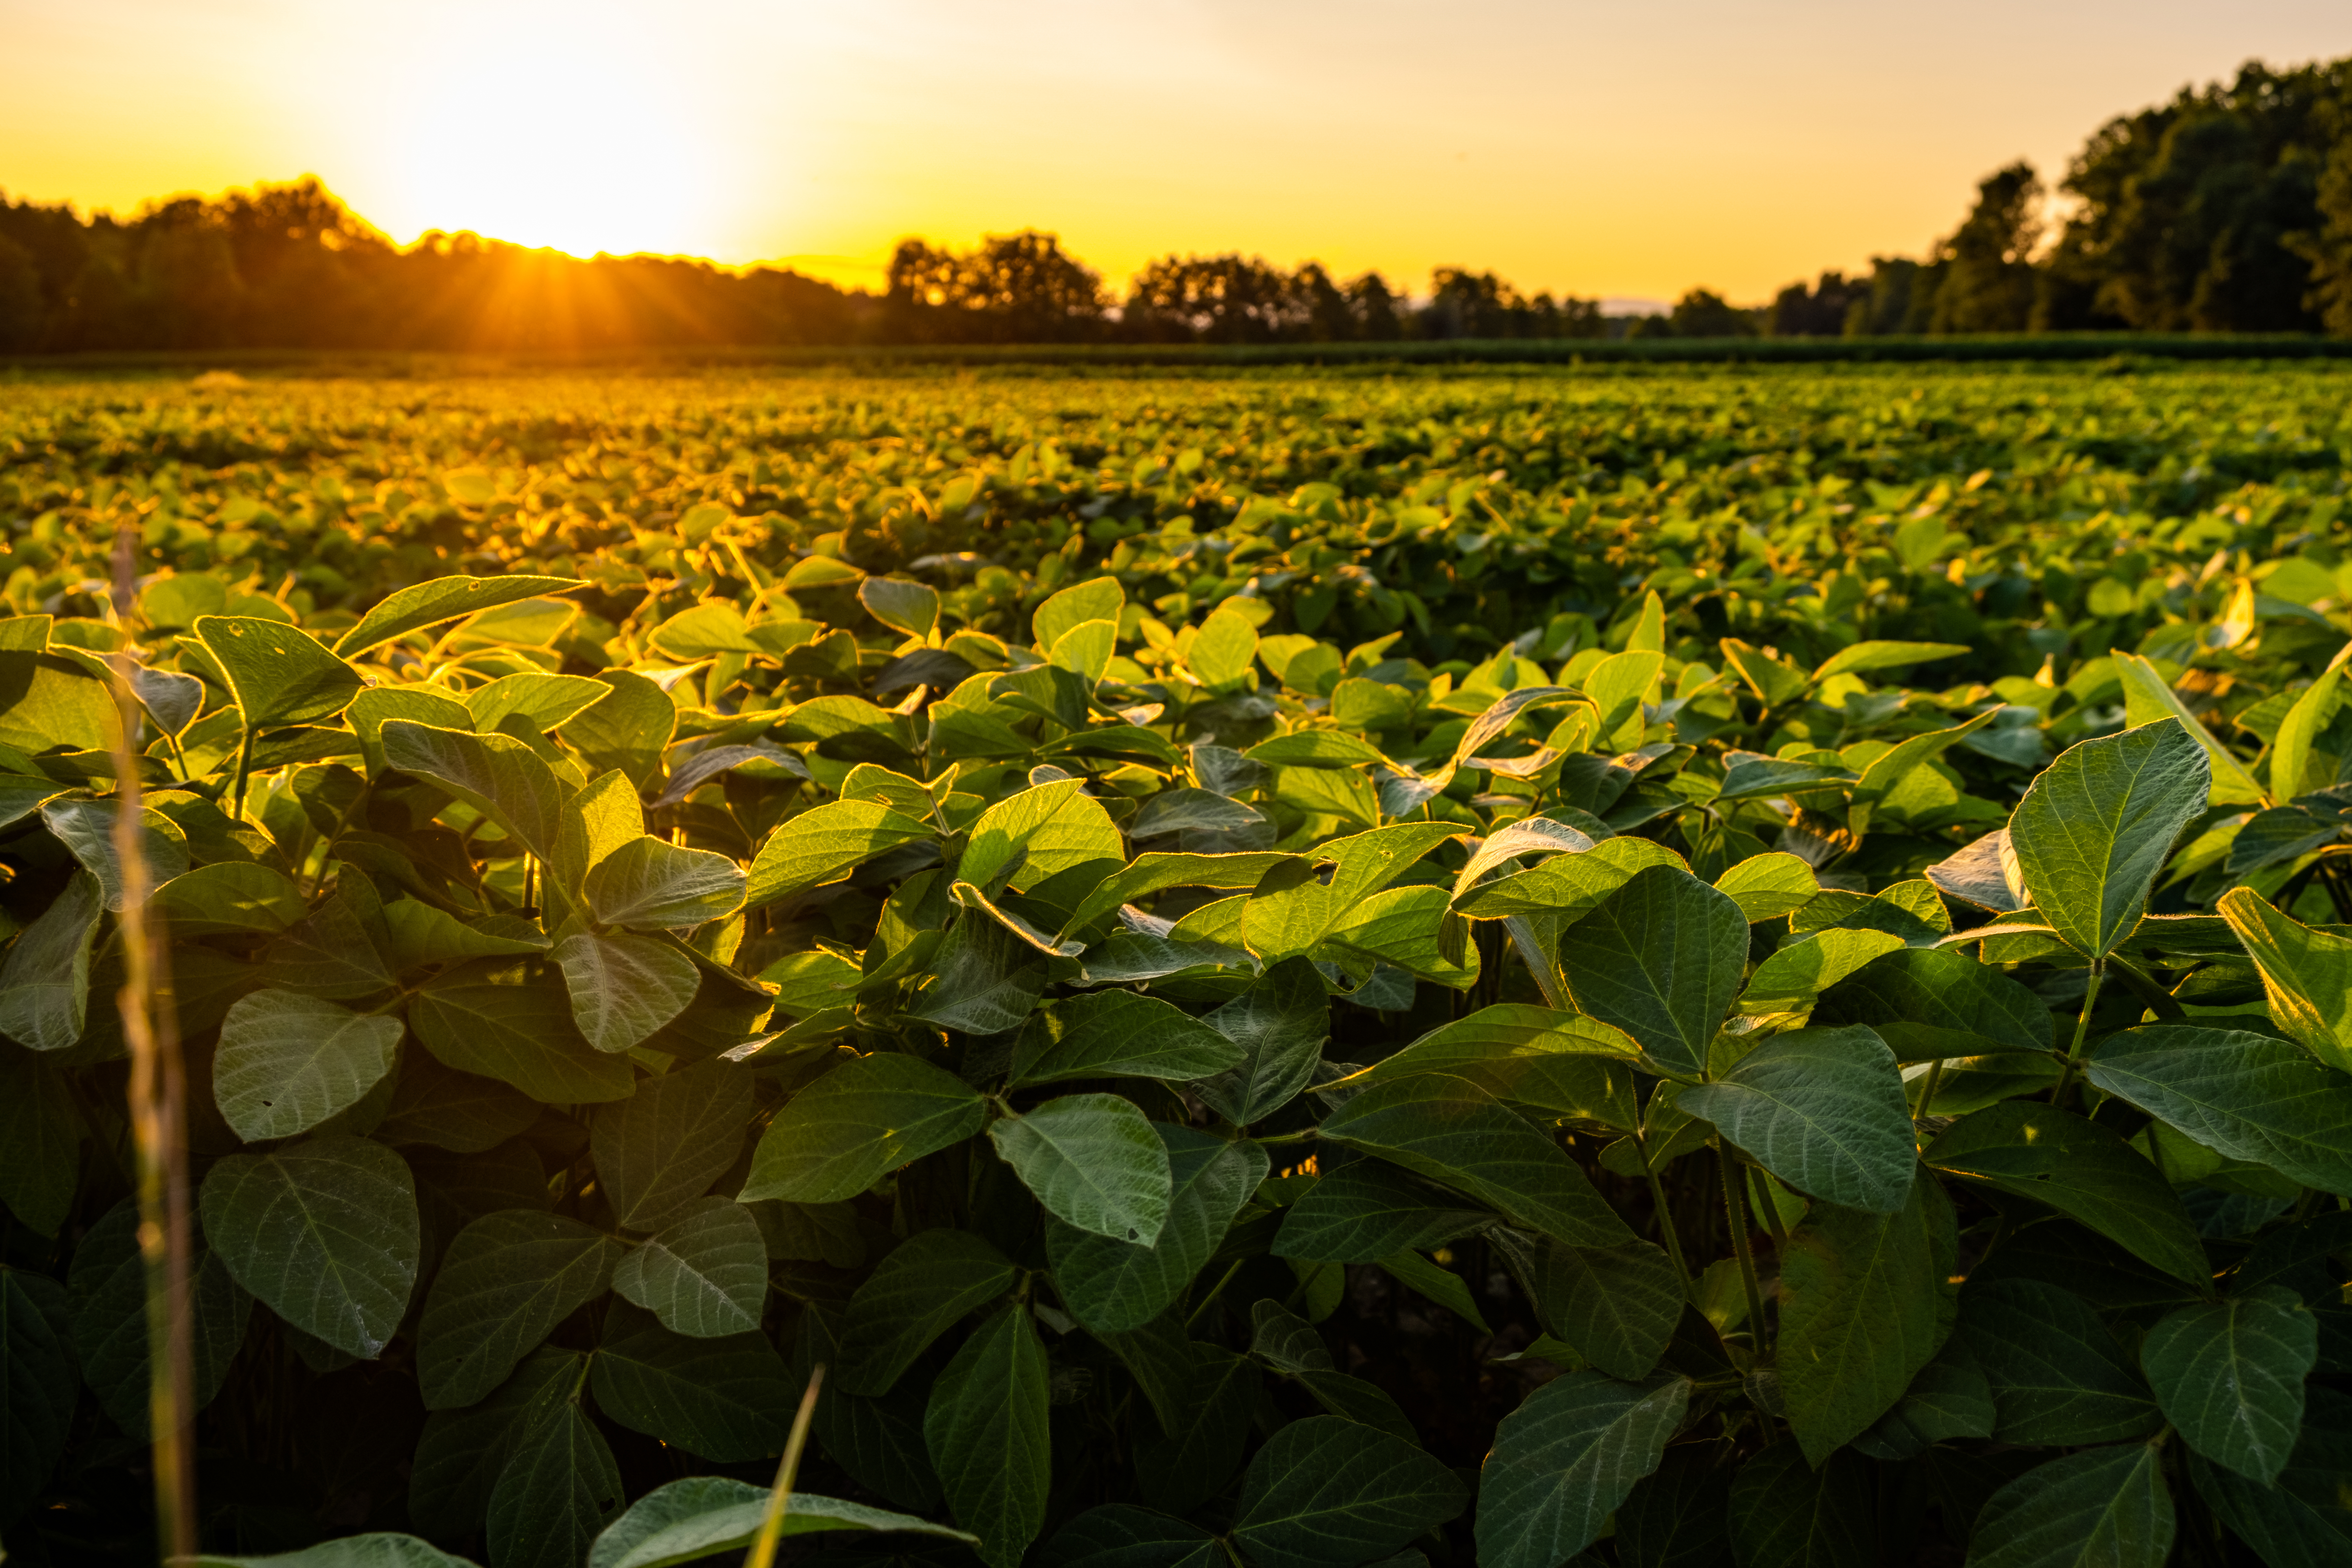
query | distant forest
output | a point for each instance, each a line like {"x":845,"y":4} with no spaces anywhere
{"x":2228,"y":209}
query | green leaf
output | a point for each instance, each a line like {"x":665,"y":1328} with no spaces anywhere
{"x":462,"y":1452}
{"x":2228,"y":1374}
{"x":108,"y":1286}
{"x":1539,"y":1057}
{"x":2107,"y":1508}
{"x":336,"y":951}
{"x":2058,"y":1376}
{"x":704,"y":1516}
{"x":1564,"y":1460}
{"x":1880,"y":780}
{"x":1204,"y":1426}
{"x":879,"y":1440}
{"x":548,"y":701}
{"x":506,"y":1281}
{"x":1156,"y":872}
{"x":287,"y":1063}
{"x":48,"y":701}
{"x":663,"y":1147}
{"x":1451,"y":1131}
{"x":1566,"y":887}
{"x":1287,"y":1341}
{"x":858,"y":1123}
{"x":324,"y":1234}
{"x":1823,"y":1110}
{"x":1367,"y":1210}
{"x":453,"y":1111}
{"x":86,"y":828}
{"x":1863,"y":1309}
{"x":2094,"y":828}
{"x":2082,"y":1170}
{"x":1096,"y":599}
{"x":2306,"y":974}
{"x":1619,"y":1306}
{"x":1326,"y":1490}
{"x":915,"y":1295}
{"x":2299,"y":732}
{"x":1093,"y":1161}
{"x":45,"y":979}
{"x":648,"y":884}
{"x":2250,"y":1096}
{"x":1118,"y":1535}
{"x":629,"y":731}
{"x":41,"y":1132}
{"x":704,"y":1274}
{"x":1797,"y":972}
{"x":1618,"y":686}
{"x":984,"y":978}
{"x":377,"y":1549}
{"x":1279,"y":1023}
{"x":1786,"y":1513}
{"x":1290,"y":920}
{"x":497,"y":775}
{"x":624,"y":987}
{"x":1113,"y":1285}
{"x":278,"y":675}
{"x":1767,"y":887}
{"x":2304,"y":1520}
{"x":1873,"y":655}
{"x":1435,"y":1283}
{"x":728,"y":1400}
{"x":442,"y":599}
{"x":986,"y":1429}
{"x":1927,"y":1003}
{"x":502,"y":1019}
{"x":1221,"y":650}
{"x":230,"y":897}
{"x":2149,"y":700}
{"x":825,"y":843}
{"x":555,"y":1495}
{"x":1675,"y":1517}
{"x":1036,"y":834}
{"x":1118,"y":1033}
{"x":38,"y":1386}
{"x":1660,"y":959}
{"x":379,"y":705}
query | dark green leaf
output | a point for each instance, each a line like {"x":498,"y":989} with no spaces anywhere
{"x":1927,"y":1003}
{"x":664,"y":1145}
{"x":87,"y":828}
{"x":2228,"y":1374}
{"x":858,"y":1123}
{"x":2305,"y":1520}
{"x":2094,"y":828}
{"x":1368,"y":1209}
{"x":510,"y":1020}
{"x":1326,"y":1490}
{"x":377,"y":1549}
{"x":324,"y":1234}
{"x":1617,"y":1306}
{"x":496,"y":774}
{"x":986,"y":1430}
{"x":1564,"y":1460}
{"x":1118,"y":1033}
{"x":1537,"y":1056}
{"x":983,"y":980}
{"x":442,"y":599}
{"x":726,"y":1400}
{"x":704,"y":1273}
{"x":41,"y":1132}
{"x":1280,"y":1023}
{"x":917,"y":1294}
{"x":462,"y":1452}
{"x":1863,"y":1307}
{"x":2107,"y":1508}
{"x":1118,"y":1535}
{"x":451,"y":1109}
{"x":287,"y":1062}
{"x":1205,"y":1431}
{"x":647,"y":883}
{"x":45,"y":979}
{"x":1660,"y":959}
{"x":1785,"y":1513}
{"x":556,"y":1494}
{"x":624,"y":987}
{"x":1113,"y":1285}
{"x":2058,"y":1376}
{"x":229,"y":897}
{"x":337,"y":951}
{"x":506,"y":1280}
{"x":1095,"y":1161}
{"x":38,"y":1387}
{"x":1821,"y":1109}
{"x":109,"y":1297}
{"x":2250,"y":1096}
{"x":704,"y":1516}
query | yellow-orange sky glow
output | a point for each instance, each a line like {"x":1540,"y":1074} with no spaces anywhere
{"x":1628,"y":151}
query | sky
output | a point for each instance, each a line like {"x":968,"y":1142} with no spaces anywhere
{"x":1624,"y":150}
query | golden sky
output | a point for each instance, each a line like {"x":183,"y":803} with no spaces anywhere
{"x":1618,"y":151}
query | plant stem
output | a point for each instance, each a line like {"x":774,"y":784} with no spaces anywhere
{"x":158,"y":1095}
{"x":2082,"y":1034}
{"x":1927,"y":1092}
{"x":1214,"y":1292}
{"x":244,"y":768}
{"x":1666,"y":1223}
{"x":1736,"y":1212}
{"x":762,"y":1554}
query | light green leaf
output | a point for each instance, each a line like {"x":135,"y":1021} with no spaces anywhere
{"x":1118,"y":1033}
{"x":229,"y":897}
{"x":629,"y":731}
{"x":378,"y":1549}
{"x":2228,"y":1374}
{"x":1325,"y":1491}
{"x":986,"y":1430}
{"x":287,"y":1063}
{"x":1113,"y":1285}
{"x":624,"y":987}
{"x":1036,"y":834}
{"x":2107,"y":1508}
{"x":1221,"y":650}
{"x":1451,"y":1131}
{"x":858,"y":1123}
{"x":704,"y":1274}
{"x":1660,"y":958}
{"x":1093,"y":1161}
{"x":2094,"y":828}
{"x":2306,"y":974}
{"x":664,"y":1146}
{"x":1862,"y":1309}
{"x":49,"y":702}
{"x":1096,"y":599}
{"x":1767,"y":887}
{"x":1565,"y":887}
{"x":548,"y":701}
{"x":278,"y":675}
{"x":421,"y":934}
{"x":2058,"y":1376}
{"x":503,"y":1019}
{"x":506,"y":1281}
{"x":704,"y":1516}
{"x":45,"y":979}
{"x":1873,"y":655}
{"x":324,"y":1234}
{"x":2250,"y":1096}
{"x":916,"y":1294}
{"x":377,"y":706}
{"x":1821,"y":1109}
{"x":496,"y":774}
{"x":1618,"y":686}
{"x":86,"y":828}
{"x":1289,"y":921}
{"x":1793,"y":978}
{"x":825,"y":844}
{"x":648,"y":883}
{"x":1279,"y":1024}
{"x":2082,"y":1170}
{"x":1153,"y":873}
{"x":1564,"y":1460}
{"x":2149,"y":700}
{"x":442,"y":599}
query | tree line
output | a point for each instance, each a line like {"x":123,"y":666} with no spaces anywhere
{"x":2227,"y":209}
